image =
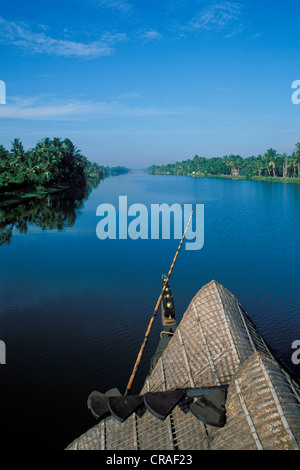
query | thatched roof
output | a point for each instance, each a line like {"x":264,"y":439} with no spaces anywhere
{"x":215,"y":344}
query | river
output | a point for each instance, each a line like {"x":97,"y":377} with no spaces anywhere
{"x":74,"y":309}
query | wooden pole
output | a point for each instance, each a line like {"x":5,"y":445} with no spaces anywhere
{"x":138,"y":360}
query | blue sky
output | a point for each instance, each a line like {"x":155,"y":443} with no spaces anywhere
{"x":137,"y":83}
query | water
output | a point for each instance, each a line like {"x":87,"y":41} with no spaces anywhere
{"x":74,"y":309}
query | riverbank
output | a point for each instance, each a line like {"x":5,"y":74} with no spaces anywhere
{"x":20,"y":195}
{"x":283,"y":168}
{"x":267,"y":179}
{"x":17,"y":196}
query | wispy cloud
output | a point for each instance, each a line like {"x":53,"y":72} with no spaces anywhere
{"x":46,"y":108}
{"x":150,"y":35}
{"x":118,"y":6}
{"x":20,"y":36}
{"x":219,"y":16}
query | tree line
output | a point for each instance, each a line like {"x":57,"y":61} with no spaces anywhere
{"x":271,"y":164}
{"x":49,"y":163}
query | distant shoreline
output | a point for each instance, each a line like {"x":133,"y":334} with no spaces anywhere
{"x":266,"y":179}
{"x":270,"y":167}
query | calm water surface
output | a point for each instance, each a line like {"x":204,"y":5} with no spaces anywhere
{"x":74,"y":309}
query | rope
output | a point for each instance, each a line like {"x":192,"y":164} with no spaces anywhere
{"x":167,"y":332}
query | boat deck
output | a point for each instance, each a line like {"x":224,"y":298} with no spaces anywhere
{"x":215,"y":344}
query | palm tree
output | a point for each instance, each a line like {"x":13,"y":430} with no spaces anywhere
{"x":17,"y":149}
{"x":43,"y":155}
{"x":4,"y":159}
{"x":285,"y":165}
{"x":31,"y":169}
{"x":265,"y":162}
{"x":294,"y":164}
{"x":228,"y":162}
{"x":57,"y":142}
{"x":297,"y":153}
{"x":260,"y":165}
{"x":270,"y":156}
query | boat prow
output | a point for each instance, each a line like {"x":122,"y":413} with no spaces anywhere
{"x":218,"y":352}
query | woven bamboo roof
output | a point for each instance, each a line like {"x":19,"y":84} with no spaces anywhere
{"x":215,"y":344}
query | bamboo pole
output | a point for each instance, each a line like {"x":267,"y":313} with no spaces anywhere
{"x":139,"y":357}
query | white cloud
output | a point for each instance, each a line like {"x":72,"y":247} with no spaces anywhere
{"x":120,"y":6}
{"x":43,"y":108}
{"x":219,"y":16}
{"x":151,"y":35}
{"x":22,"y":37}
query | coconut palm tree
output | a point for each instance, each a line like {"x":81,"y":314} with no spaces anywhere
{"x":260,"y":165}
{"x":286,"y":165}
{"x":294,"y":164}
{"x":297,"y":153}
{"x":270,"y":156}
{"x":17,"y":149}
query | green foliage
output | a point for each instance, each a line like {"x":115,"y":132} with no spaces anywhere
{"x":116,"y":170}
{"x":49,"y":163}
{"x":271,"y":165}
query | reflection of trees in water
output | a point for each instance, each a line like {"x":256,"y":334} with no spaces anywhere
{"x":50,"y":211}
